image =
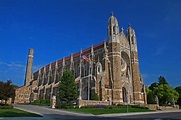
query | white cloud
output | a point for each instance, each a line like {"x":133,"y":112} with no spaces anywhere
{"x":12,"y":64}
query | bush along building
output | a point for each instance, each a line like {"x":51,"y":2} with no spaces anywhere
{"x":109,"y":69}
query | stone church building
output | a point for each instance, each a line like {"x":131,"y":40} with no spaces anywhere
{"x":110,"y":69}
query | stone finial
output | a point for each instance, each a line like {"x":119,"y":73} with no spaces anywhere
{"x":63,"y":61}
{"x":122,"y":30}
{"x":92,"y":50}
{"x":71,"y":58}
{"x":129,"y":25}
{"x":112,"y":13}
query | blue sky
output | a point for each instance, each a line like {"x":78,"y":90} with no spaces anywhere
{"x":58,"y":28}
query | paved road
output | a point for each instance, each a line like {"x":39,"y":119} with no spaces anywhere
{"x":54,"y":114}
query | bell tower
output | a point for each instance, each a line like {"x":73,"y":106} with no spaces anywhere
{"x":29,"y":66}
{"x":136,"y":77}
{"x":114,"y":56}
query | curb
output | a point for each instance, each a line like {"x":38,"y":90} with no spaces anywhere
{"x":136,"y":113}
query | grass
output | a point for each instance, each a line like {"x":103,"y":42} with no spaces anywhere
{"x":16,"y":113}
{"x":98,"y":111}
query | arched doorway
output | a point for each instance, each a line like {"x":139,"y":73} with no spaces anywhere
{"x":124,"y":94}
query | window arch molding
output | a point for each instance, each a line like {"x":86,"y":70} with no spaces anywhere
{"x":98,"y":68}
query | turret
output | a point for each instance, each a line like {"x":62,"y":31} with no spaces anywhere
{"x":131,"y":36}
{"x":138,"y":97}
{"x":113,"y":29}
{"x":114,"y":56}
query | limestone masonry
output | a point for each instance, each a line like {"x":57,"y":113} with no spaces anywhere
{"x":112,"y":71}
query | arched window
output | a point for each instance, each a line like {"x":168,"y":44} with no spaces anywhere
{"x":98,"y":68}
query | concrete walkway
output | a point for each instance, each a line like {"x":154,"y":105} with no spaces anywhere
{"x":56,"y":114}
{"x":48,"y":113}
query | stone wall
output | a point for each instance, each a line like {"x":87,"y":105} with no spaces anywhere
{"x":91,"y":103}
{"x":157,"y":107}
{"x":176,"y":107}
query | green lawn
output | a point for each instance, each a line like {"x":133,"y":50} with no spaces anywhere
{"x":98,"y":111}
{"x":16,"y":113}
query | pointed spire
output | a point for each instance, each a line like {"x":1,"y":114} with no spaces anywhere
{"x":64,"y":61}
{"x":92,"y":50}
{"x":122,"y":30}
{"x":80,"y":52}
{"x":71,"y":58}
{"x":56,"y":64}
{"x":50,"y":66}
{"x":129,"y":25}
{"x":112,"y":13}
{"x":105,"y":46}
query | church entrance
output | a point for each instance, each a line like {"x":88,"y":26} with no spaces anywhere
{"x":124,"y":94}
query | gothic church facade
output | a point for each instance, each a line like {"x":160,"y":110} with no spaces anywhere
{"x":113,"y":71}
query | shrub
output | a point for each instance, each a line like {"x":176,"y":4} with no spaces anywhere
{"x":58,"y":106}
{"x":6,"y":106}
{"x":36,"y":102}
{"x":95,"y":97}
{"x":42,"y":102}
{"x":47,"y":101}
{"x":121,"y":106}
{"x":69,"y":107}
{"x":98,"y":106}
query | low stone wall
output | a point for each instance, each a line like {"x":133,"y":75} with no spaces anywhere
{"x":152,"y":106}
{"x":176,"y":107}
{"x":157,"y":107}
{"x":91,"y":103}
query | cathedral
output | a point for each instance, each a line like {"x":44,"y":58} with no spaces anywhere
{"x":109,"y":69}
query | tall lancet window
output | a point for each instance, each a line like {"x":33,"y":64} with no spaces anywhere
{"x":98,"y":68}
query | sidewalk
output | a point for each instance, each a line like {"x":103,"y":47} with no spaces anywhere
{"x":135,"y":113}
{"x":50,"y":114}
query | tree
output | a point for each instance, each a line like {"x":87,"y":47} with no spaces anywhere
{"x":162,"y":80}
{"x":1,"y":90}
{"x":163,"y":91}
{"x":178,"y":89}
{"x":153,"y":86}
{"x":165,"y":94}
{"x":150,"y":96}
{"x":67,"y":88}
{"x":7,"y":90}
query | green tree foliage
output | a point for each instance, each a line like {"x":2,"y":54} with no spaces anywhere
{"x":165,"y":94}
{"x":162,"y":80}
{"x":163,"y":90}
{"x":153,"y":86}
{"x":67,"y":88}
{"x":178,"y":89}
{"x":150,"y":96}
{"x":7,"y":90}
